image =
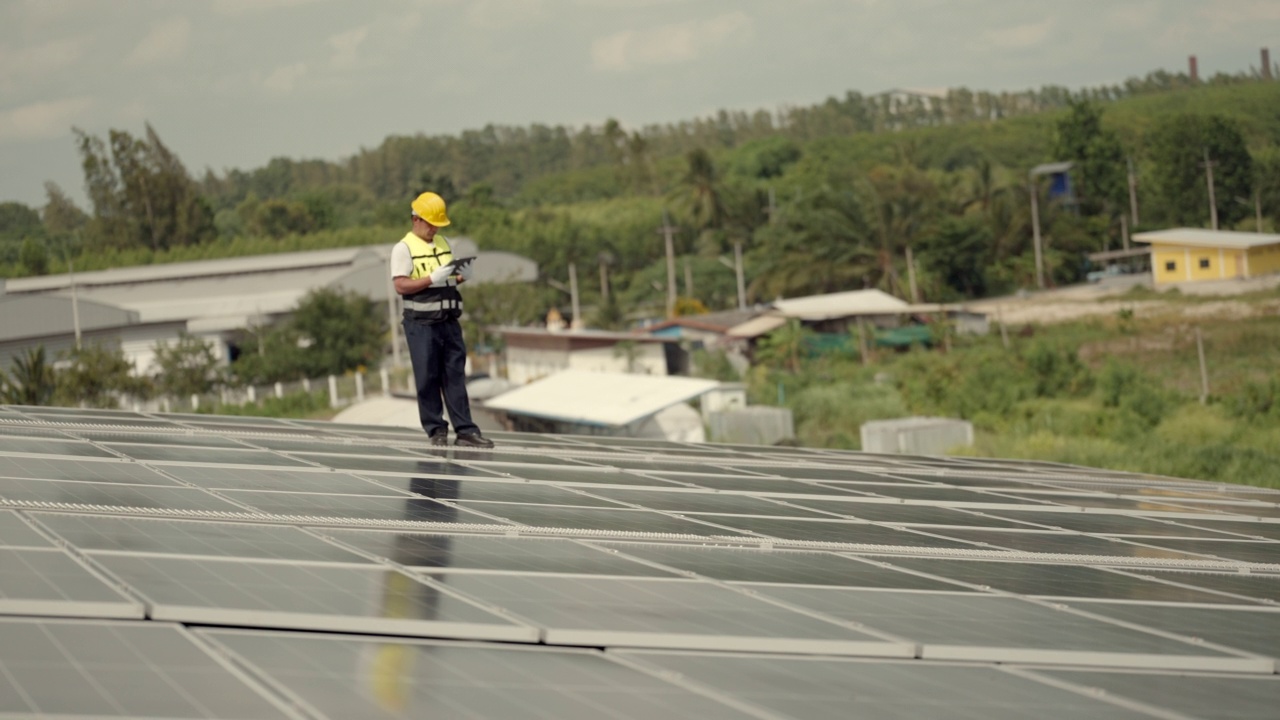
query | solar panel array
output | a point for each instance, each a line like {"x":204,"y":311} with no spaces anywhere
{"x":194,"y":566}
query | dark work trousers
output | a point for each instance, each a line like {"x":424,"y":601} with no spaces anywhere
{"x":440,"y":368}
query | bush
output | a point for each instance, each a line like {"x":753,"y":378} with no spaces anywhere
{"x":1124,"y":387}
{"x":292,"y":405}
{"x":1256,"y":401}
{"x":832,"y":415}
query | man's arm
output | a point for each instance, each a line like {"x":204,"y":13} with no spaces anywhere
{"x":405,"y":286}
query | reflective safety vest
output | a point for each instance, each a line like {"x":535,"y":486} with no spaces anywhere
{"x":436,"y":302}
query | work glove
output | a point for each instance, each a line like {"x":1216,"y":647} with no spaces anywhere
{"x":465,"y":272}
{"x":443,"y":275}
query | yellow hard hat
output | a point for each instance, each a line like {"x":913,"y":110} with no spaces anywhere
{"x":430,"y":207}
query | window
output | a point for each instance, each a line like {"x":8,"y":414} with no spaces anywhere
{"x":1204,"y":263}
{"x":1170,"y":266}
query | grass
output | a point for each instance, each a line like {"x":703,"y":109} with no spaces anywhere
{"x":1115,"y":393}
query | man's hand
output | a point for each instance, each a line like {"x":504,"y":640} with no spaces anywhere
{"x":465,"y":272}
{"x":443,"y":275}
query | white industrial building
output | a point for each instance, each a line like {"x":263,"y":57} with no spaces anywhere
{"x":138,"y":307}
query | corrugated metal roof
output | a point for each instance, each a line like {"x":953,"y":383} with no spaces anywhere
{"x":837,"y":305}
{"x":198,"y":269}
{"x":608,"y":399}
{"x":25,"y":316}
{"x":756,"y":327}
{"x":1198,"y":237}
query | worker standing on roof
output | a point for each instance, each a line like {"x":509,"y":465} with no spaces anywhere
{"x":426,"y":275}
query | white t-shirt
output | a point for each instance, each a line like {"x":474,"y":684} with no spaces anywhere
{"x":401,"y":261}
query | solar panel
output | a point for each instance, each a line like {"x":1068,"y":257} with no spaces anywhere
{"x":839,"y":688}
{"x":59,"y":668}
{"x":15,"y":532}
{"x":773,"y":582}
{"x":345,"y":677}
{"x":48,"y":581}
{"x":306,"y":597}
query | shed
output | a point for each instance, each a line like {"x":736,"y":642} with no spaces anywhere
{"x":606,"y":403}
{"x":1195,"y":254}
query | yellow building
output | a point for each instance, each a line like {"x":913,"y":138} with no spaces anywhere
{"x":1191,"y":254}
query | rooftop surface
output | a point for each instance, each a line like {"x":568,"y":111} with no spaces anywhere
{"x":199,"y":566}
{"x":1198,"y":237}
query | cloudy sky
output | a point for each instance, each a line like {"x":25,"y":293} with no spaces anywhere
{"x":233,"y":83}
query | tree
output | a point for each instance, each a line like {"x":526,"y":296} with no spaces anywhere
{"x":1099,"y":159}
{"x":17,"y":221}
{"x":19,"y":227}
{"x":31,"y":380}
{"x":186,"y":367}
{"x":903,"y":201}
{"x":958,"y":251}
{"x":822,"y":243}
{"x":34,"y":256}
{"x":61,"y":217}
{"x":339,"y":331}
{"x":1178,"y":148}
{"x":701,"y":195}
{"x":785,"y":347}
{"x":142,"y":193}
{"x":97,"y":376}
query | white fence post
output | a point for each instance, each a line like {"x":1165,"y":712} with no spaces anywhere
{"x":306,"y":385}
{"x":360,"y":387}
{"x":253,"y":394}
{"x":333,"y":391}
{"x":279,"y":389}
{"x":195,"y":401}
{"x":386,"y":381}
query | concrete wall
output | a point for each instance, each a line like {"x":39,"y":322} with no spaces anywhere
{"x":754,"y":425}
{"x":916,"y":435}
{"x":1264,"y":260}
{"x":1175,"y":264}
{"x":524,"y":365}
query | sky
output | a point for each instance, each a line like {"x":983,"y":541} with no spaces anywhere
{"x":230,"y":84}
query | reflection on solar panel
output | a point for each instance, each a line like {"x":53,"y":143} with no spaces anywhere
{"x":196,"y":566}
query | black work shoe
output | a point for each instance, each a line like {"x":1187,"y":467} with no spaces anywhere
{"x":475,"y":440}
{"x":440,"y":438}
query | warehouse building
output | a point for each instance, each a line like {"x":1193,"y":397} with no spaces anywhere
{"x":1192,"y":254}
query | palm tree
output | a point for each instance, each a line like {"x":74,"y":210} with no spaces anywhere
{"x":701,"y":194}
{"x":31,"y":381}
{"x":821,"y":244}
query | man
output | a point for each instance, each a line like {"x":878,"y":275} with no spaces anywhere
{"x":425,"y":274}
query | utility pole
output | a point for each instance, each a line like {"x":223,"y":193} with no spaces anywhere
{"x":911,"y":277}
{"x":75,"y":302}
{"x":604,"y":277}
{"x":1213,"y":205}
{"x":391,"y":320}
{"x":576,"y":323}
{"x":668,"y":236}
{"x":1035,"y":229}
{"x":737,"y":269}
{"x":1133,"y":192}
{"x":1124,"y":230}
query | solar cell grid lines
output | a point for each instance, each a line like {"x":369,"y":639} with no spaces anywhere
{"x":582,"y":576}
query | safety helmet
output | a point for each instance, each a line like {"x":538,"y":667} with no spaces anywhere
{"x":430,"y":207}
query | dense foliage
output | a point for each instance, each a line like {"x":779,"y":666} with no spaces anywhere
{"x":1117,"y":392}
{"x":828,"y":197}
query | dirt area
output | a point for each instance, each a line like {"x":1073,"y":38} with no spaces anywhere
{"x":1109,"y":298}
